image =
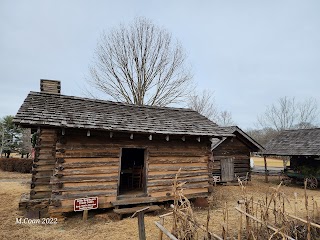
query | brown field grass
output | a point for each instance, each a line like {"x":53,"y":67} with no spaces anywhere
{"x":75,"y":228}
{"x":271,"y":162}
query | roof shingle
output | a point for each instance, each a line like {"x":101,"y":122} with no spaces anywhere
{"x":44,"y":109}
{"x":295,"y":142}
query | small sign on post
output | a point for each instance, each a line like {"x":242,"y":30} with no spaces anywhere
{"x":85,"y":204}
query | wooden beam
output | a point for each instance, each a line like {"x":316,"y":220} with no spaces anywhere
{"x":165,"y":231}
{"x":265,"y":169}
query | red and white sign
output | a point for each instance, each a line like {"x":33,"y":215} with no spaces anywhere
{"x":81,"y":204}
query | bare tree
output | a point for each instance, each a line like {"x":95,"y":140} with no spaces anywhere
{"x":288,"y":114}
{"x":203,"y":103}
{"x":140,"y":64}
{"x":307,"y":113}
{"x":224,"y":119}
{"x":262,"y":136}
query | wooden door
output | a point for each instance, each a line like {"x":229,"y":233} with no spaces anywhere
{"x":227,"y":169}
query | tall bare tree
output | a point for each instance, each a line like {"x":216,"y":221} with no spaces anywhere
{"x":204,"y":104}
{"x":140,"y":64}
{"x":224,"y":118}
{"x":289,"y":114}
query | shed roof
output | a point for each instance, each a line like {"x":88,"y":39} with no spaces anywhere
{"x":54,"y":110}
{"x":301,"y":142}
{"x":238,"y":132}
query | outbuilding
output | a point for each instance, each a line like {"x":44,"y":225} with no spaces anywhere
{"x":231,"y":155}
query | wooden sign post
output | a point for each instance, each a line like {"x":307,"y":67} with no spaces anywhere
{"x":85,"y":204}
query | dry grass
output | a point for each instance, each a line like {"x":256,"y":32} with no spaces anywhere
{"x":14,"y":175}
{"x":271,"y":162}
{"x":74,"y":228}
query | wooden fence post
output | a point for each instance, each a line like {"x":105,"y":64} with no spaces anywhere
{"x":140,"y":213}
{"x":265,"y":169}
{"x":160,"y":232}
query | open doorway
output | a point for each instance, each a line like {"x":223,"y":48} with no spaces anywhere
{"x":132,"y":175}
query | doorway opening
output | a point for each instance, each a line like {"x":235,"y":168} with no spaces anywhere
{"x":132,"y":175}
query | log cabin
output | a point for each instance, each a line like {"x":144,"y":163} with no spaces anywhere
{"x":123,"y":154}
{"x":231,"y":155}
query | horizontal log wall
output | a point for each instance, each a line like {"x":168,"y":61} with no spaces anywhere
{"x":232,"y":148}
{"x":89,"y":166}
{"x":43,"y":164}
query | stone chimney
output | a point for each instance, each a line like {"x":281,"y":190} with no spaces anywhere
{"x":50,"y":86}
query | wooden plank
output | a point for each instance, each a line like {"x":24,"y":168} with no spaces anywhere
{"x":178,"y":154}
{"x":42,"y":188}
{"x":173,"y":160}
{"x":171,"y":176}
{"x":134,"y":209}
{"x":86,"y":154}
{"x":176,"y":168}
{"x":85,"y":194}
{"x":165,"y":231}
{"x":88,"y":188}
{"x":185,"y":186}
{"x":85,"y":179}
{"x":88,"y":171}
{"x":161,"y":182}
{"x":167,"y":194}
{"x":137,"y":200}
{"x":90,"y":164}
{"x":92,"y":159}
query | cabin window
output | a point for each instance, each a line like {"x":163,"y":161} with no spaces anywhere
{"x":132,"y":175}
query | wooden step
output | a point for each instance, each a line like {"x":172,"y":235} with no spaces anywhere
{"x":134,"y":209}
{"x":137,"y":200}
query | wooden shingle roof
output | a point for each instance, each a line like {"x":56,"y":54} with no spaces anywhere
{"x":302,"y":142}
{"x":238,"y":132}
{"x":54,"y":110}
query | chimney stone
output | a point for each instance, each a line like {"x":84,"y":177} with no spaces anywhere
{"x":50,"y":86}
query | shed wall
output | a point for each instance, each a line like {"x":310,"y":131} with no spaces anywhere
{"x":235,"y":149}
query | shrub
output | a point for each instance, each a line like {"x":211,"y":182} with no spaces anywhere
{"x":22,"y":165}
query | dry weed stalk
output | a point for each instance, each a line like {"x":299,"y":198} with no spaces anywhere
{"x":185,"y":226}
{"x":258,"y":223}
{"x":269,"y":218}
{"x":183,"y":217}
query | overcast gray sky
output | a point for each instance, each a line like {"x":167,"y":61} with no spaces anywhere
{"x":249,"y":53}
